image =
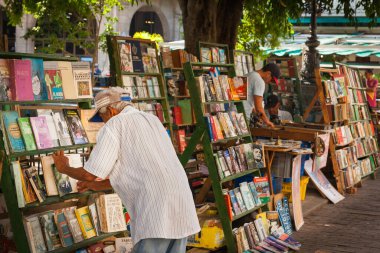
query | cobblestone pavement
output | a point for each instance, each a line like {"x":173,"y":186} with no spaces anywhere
{"x":353,"y":225}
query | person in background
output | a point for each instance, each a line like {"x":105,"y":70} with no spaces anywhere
{"x":371,"y":88}
{"x":254,"y":105}
{"x":273,"y":109}
{"x":135,"y":156}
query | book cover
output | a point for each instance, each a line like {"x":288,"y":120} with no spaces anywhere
{"x":62,"y":181}
{"x":258,"y":156}
{"x":150,"y":88}
{"x":262,"y":188}
{"x":137,"y":57}
{"x":40,"y":90}
{"x":63,"y":228}
{"x":61,"y":128}
{"x":124,"y":245}
{"x":41,"y":132}
{"x":34,"y":234}
{"x":16,"y":169}
{"x":27,"y":134}
{"x":111,"y":211}
{"x":39,"y":189}
{"x":82,"y":79}
{"x":13,"y":131}
{"x":5,"y":93}
{"x":84,"y":220}
{"x":156,"y":86}
{"x":242,"y":123}
{"x":49,"y":178}
{"x":94,"y":217}
{"x":48,"y":114}
{"x":27,"y":188}
{"x":53,"y":79}
{"x":73,"y":224}
{"x":21,"y":80}
{"x":181,"y":141}
{"x":186,"y":111}
{"x":126,"y":63}
{"x":91,"y":128}
{"x":239,"y":198}
{"x":78,"y":134}
{"x":50,"y":231}
{"x":67,"y":80}
{"x":247,"y":195}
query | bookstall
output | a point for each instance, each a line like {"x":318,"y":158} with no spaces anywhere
{"x":45,"y":101}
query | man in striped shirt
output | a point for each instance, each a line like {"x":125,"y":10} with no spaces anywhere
{"x":135,"y":156}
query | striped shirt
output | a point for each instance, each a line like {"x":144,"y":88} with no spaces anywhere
{"x":134,"y":150}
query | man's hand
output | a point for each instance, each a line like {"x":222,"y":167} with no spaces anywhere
{"x":269,"y":124}
{"x":61,"y":161}
{"x":84,"y":186}
{"x":102,"y":185}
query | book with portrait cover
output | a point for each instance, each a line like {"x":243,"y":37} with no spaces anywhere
{"x":41,"y":132}
{"x":40,"y":91}
{"x":61,"y":128}
{"x":77,"y":132}
{"x":125,"y":51}
{"x":82,"y":79}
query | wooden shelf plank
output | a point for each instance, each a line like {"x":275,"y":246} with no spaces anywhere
{"x":42,"y":102}
{"x":85,"y":243}
{"x":49,"y":150}
{"x":241,"y":174}
{"x":236,"y":217}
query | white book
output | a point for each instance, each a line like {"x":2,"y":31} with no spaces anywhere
{"x":47,"y":113}
{"x":62,"y":129}
{"x":82,"y":79}
{"x":247,"y":195}
{"x":260,"y":229}
{"x":110,"y":210}
{"x":34,"y":234}
{"x":123,"y":245}
{"x":94,"y":217}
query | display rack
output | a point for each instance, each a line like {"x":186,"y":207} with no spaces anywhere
{"x":289,"y":88}
{"x":200,"y":135}
{"x":114,"y":44}
{"x":16,"y":214}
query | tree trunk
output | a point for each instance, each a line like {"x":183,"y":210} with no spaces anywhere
{"x":210,"y":21}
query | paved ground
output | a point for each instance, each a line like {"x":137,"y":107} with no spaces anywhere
{"x":353,"y":225}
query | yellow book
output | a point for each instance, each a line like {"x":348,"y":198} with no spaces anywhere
{"x":264,"y":220}
{"x":84,"y":220}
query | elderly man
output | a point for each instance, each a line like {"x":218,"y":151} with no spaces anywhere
{"x":134,"y":154}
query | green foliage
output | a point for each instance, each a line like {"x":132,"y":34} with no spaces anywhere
{"x":265,"y":22}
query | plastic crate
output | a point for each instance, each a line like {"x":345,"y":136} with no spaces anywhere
{"x":287,"y":188}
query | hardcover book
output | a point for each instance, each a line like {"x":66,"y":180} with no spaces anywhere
{"x":21,"y":80}
{"x":34,"y":235}
{"x":13,"y":131}
{"x":126,"y":63}
{"x":5,"y":93}
{"x":82,"y":79}
{"x":40,"y":90}
{"x":53,"y":79}
{"x":84,"y":220}
{"x":49,"y":178}
{"x":68,"y":87}
{"x":41,"y":132}
{"x":48,"y":114}
{"x":49,"y":231}
{"x":78,"y":134}
{"x":73,"y":224}
{"x":63,"y":228}
{"x":62,"y":128}
{"x":27,"y":134}
{"x":137,"y":57}
{"x":111,"y":211}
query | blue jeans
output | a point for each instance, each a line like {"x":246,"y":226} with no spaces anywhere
{"x":160,"y":245}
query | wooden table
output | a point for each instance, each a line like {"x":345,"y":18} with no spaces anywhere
{"x":270,"y":152}
{"x":288,"y":133}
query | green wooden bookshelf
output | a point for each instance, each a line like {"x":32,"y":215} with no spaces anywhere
{"x":201,"y":135}
{"x":15,"y":214}
{"x":113,"y":46}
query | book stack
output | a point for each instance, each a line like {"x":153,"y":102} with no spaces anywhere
{"x":48,"y":129}
{"x":366,"y":147}
{"x":214,"y":55}
{"x":215,"y":87}
{"x":38,"y":80}
{"x":338,"y":112}
{"x":243,"y":63}
{"x":224,"y":125}
{"x":177,"y":58}
{"x":59,"y":228}
{"x":362,"y":129}
{"x":138,"y":56}
{"x":138,"y":87}
{"x":342,"y":135}
{"x":259,"y":236}
{"x":359,"y":112}
{"x":237,"y":159}
{"x":334,"y":90}
{"x":151,"y":107}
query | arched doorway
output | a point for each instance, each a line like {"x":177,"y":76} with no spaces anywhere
{"x":146,"y":20}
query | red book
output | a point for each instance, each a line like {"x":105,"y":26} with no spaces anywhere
{"x":214,"y":133}
{"x":96,"y":248}
{"x":177,"y":115}
{"x":21,"y":80}
{"x":159,"y":112}
{"x":181,"y":140}
{"x":227,"y":199}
